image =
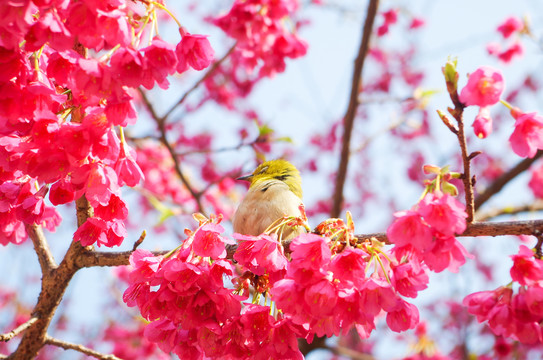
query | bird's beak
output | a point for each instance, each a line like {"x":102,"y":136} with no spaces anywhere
{"x":246,"y":177}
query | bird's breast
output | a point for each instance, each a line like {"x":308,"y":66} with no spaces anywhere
{"x":264,"y":204}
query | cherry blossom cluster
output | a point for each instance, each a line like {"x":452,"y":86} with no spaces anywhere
{"x":426,"y":232}
{"x":328,"y":287}
{"x":512,"y":28}
{"x":69,"y":74}
{"x":191,"y":311}
{"x":514,"y":313}
{"x":484,"y":88}
{"x":263,"y":39}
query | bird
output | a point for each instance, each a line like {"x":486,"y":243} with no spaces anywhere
{"x":275,"y":192}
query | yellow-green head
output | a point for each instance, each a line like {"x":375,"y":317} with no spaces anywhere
{"x":280,"y":170}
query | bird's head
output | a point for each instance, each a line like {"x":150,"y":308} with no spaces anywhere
{"x":280,"y":170}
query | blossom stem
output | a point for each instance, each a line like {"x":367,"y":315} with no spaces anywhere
{"x":506,"y":104}
{"x":168,"y":11}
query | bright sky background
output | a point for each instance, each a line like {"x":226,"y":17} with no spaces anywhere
{"x":312,"y":92}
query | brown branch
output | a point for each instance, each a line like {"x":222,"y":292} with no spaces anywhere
{"x":348,"y":352}
{"x":77,"y":347}
{"x":53,"y":286}
{"x":177,"y":164}
{"x":41,"y":247}
{"x":208,"y":73}
{"x":511,"y":210}
{"x":348,"y":119}
{"x":466,"y":176}
{"x":113,"y":258}
{"x":504,"y":179}
{"x":19,"y":329}
{"x":525,"y":227}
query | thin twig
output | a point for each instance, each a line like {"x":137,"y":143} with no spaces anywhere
{"x":77,"y":347}
{"x":140,"y":240}
{"x":504,"y":179}
{"x":208,"y":73}
{"x":110,"y":258}
{"x":41,"y":247}
{"x":525,"y":227}
{"x":53,"y":287}
{"x":348,"y":119}
{"x":19,"y":329}
{"x":511,"y":210}
{"x":350,"y":353}
{"x":177,"y":164}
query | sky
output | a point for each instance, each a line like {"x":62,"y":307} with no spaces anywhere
{"x":312,"y":92}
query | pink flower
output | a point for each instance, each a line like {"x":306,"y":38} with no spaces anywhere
{"x":536,"y":181}
{"x":482,"y":126}
{"x":350,"y":266}
{"x":527,"y":137}
{"x":526,"y":270}
{"x":114,"y":210}
{"x":443,"y":213}
{"x":447,"y":253}
{"x":534,"y":300}
{"x":409,"y":280}
{"x":193,"y":51}
{"x":516,"y":49}
{"x":416,"y":23}
{"x":94,"y":230}
{"x":126,"y":167}
{"x":405,"y":316}
{"x":484,"y":87}
{"x":510,"y":26}
{"x":101,"y":184}
{"x":209,"y":243}
{"x":260,"y":254}
{"x":162,"y":61}
{"x":409,"y":229}
{"x":62,"y":192}
{"x":130,"y":68}
{"x":311,"y":251}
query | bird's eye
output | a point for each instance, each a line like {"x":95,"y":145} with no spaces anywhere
{"x":263,"y":170}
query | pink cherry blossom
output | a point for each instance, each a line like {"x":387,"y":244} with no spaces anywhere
{"x":209,"y":243}
{"x":162,"y":61}
{"x":94,"y":230}
{"x":510,"y":26}
{"x":526,"y":269}
{"x":128,"y":171}
{"x":260,"y":254}
{"x":405,"y":316}
{"x":193,"y":51}
{"x":410,"y":229}
{"x":527,"y":137}
{"x":482,"y":126}
{"x":515,"y":50}
{"x":536,"y":181}
{"x":443,"y":213}
{"x":485,"y":86}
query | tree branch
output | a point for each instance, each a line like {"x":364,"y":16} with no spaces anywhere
{"x":41,"y":247}
{"x":526,"y":227}
{"x":177,"y":164}
{"x":511,"y":210}
{"x":208,"y":73}
{"x":19,"y":329}
{"x":505,"y":178}
{"x":82,"y":349}
{"x":53,"y":286}
{"x":348,"y":119}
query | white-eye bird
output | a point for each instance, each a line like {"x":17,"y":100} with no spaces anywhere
{"x":275,"y":191}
